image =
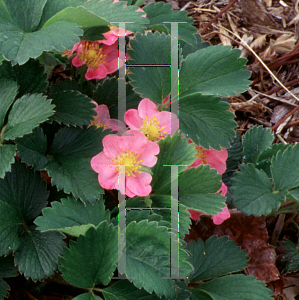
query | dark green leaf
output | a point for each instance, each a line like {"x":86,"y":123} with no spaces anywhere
{"x":7,"y":267}
{"x":7,"y":153}
{"x":289,"y":257}
{"x":190,"y":48}
{"x":4,"y":287}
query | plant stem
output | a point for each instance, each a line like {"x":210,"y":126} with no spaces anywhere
{"x":285,"y":211}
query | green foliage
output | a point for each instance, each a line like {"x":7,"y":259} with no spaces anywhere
{"x":7,"y":153}
{"x":216,"y":257}
{"x":100,"y":244}
{"x":72,"y":217}
{"x":7,"y":267}
{"x":289,"y":257}
{"x":206,"y":120}
{"x":151,"y":49}
{"x":4,"y":287}
{"x":190,"y":48}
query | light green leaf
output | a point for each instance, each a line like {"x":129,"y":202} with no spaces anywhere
{"x":26,"y":113}
{"x":151,"y":49}
{"x":7,"y":153}
{"x":285,"y":168}
{"x":7,"y":267}
{"x":92,"y":259}
{"x":253,"y":192}
{"x":72,"y":216}
{"x":1,"y":58}
{"x":190,"y":48}
{"x":23,"y":195}
{"x":237,"y":287}
{"x":256,"y":140}
{"x":30,"y":77}
{"x":4,"y":287}
{"x":76,"y":176}
{"x":216,"y":257}
{"x":206,"y":120}
{"x":72,"y":108}
{"x":215,"y":70}
{"x":37,"y":256}
{"x":9,"y":91}
{"x":159,"y":13}
{"x":32,"y":148}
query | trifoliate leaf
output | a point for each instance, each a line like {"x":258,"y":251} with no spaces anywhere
{"x":4,"y":287}
{"x":148,"y":258}
{"x":206,"y":120}
{"x":37,"y":256}
{"x":18,"y":39}
{"x":72,"y":108}
{"x":190,"y":48}
{"x":26,"y":113}
{"x":9,"y":90}
{"x":107,"y":93}
{"x":255,"y":141}
{"x":253,"y":192}
{"x":285,"y":168}
{"x":30,"y":77}
{"x":23,"y":195}
{"x":72,"y":217}
{"x":7,"y":153}
{"x":216,"y":257}
{"x":215,"y":70}
{"x":289,"y":257}
{"x":92,"y":259}
{"x":151,"y":49}
{"x":173,"y":151}
{"x":76,"y":176}
{"x":160,"y":13}
{"x":7,"y":267}
{"x":237,"y":287}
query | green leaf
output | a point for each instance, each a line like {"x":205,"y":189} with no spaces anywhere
{"x":23,"y":195}
{"x":4,"y":287}
{"x":215,"y":70}
{"x":37,"y":256}
{"x":190,"y":48}
{"x":237,"y":287}
{"x":151,"y":49}
{"x":7,"y":153}
{"x":1,"y":59}
{"x":26,"y":13}
{"x":256,"y":140}
{"x":159,"y":13}
{"x":32,"y":148}
{"x":72,"y":216}
{"x":18,"y":44}
{"x":87,"y":296}
{"x":100,"y":244}
{"x":26,"y":113}
{"x":253,"y":192}
{"x":148,"y":258}
{"x":289,"y":257}
{"x":117,"y":12}
{"x":107,"y":93}
{"x":79,"y":15}
{"x":173,"y":151}
{"x":76,"y":176}
{"x":72,"y":108}
{"x":197,"y":188}
{"x":94,"y":33}
{"x":206,"y":120}
{"x":73,"y":142}
{"x":30,"y":77}
{"x":216,"y":257}
{"x":8,"y":93}
{"x":7,"y":267}
{"x":285,"y":168}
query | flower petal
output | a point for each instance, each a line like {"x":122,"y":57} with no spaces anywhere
{"x":102,"y":113}
{"x":147,"y":108}
{"x":217,"y":159}
{"x":99,"y":73}
{"x":194,"y":214}
{"x":221,"y":216}
{"x":133,"y":119}
{"x":113,"y":65}
{"x":108,"y":177}
{"x":98,"y":161}
{"x":111,"y":147}
{"x":140,"y":185}
{"x":116,"y":125}
{"x":148,"y":156}
{"x":77,"y":62}
{"x":168,"y":120}
{"x":133,"y":140}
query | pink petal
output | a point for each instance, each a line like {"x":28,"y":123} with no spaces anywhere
{"x":133,"y":119}
{"x":102,"y":113}
{"x":217,"y":159}
{"x":111,"y":38}
{"x":223,"y":189}
{"x":168,"y":120}
{"x":221,"y":216}
{"x":140,"y":185}
{"x":148,"y":156}
{"x":111,"y":147}
{"x":99,"y":73}
{"x":113,"y":65}
{"x":116,"y":125}
{"x":77,"y":62}
{"x":194,"y":214}
{"x":147,"y":108}
{"x":133,"y":140}
{"x":165,"y":100}
{"x":111,"y":49}
{"x":108,"y":177}
{"x":98,"y":161}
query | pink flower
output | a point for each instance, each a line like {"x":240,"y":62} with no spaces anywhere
{"x":132,"y":151}
{"x":217,"y":160}
{"x":100,"y":61}
{"x":102,"y":119}
{"x":151,"y":122}
{"x":113,"y":35}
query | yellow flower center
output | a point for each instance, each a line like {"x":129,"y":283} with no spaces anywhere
{"x":152,"y":130}
{"x":201,"y":154}
{"x":96,"y":123}
{"x":92,"y":55}
{"x":130,"y":161}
